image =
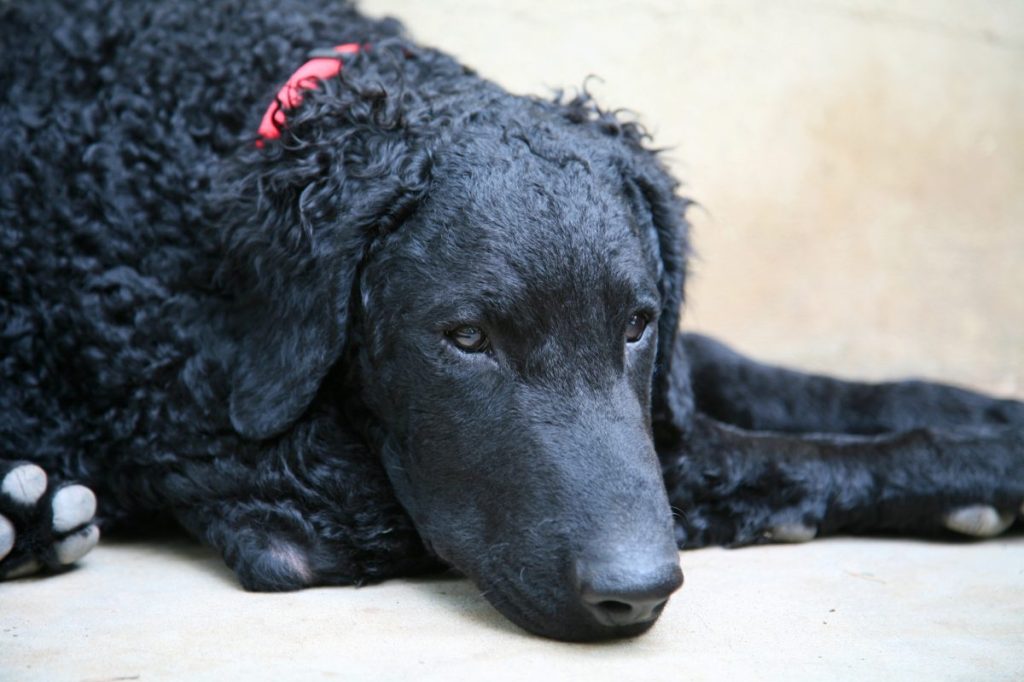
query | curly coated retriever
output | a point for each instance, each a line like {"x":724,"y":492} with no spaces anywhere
{"x":409,"y":320}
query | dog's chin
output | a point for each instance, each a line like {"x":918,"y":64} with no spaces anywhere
{"x":555,"y":616}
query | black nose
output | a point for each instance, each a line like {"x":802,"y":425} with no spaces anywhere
{"x":623,"y":595}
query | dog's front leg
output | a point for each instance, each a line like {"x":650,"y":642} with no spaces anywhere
{"x":734,"y":487}
{"x":311,"y":507}
{"x":740,"y":391}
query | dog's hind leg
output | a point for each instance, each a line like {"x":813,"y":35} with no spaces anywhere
{"x":737,"y":390}
{"x":735,"y":487}
{"x":267,"y":543}
{"x":312,"y":507}
{"x":279,"y":544}
{"x":45,"y":525}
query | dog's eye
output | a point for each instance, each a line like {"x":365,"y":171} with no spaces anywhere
{"x":635,"y":327}
{"x":469,"y":338}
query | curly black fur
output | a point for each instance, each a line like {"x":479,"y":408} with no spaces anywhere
{"x":254,"y":339}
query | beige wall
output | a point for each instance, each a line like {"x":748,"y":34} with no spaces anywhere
{"x":860,"y":164}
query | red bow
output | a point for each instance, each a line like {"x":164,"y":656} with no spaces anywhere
{"x":323,"y":65}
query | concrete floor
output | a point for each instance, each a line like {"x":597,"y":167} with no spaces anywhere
{"x":861,"y":168}
{"x":835,"y":609}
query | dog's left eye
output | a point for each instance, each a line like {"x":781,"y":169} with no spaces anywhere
{"x":469,"y":339}
{"x":635,"y":327}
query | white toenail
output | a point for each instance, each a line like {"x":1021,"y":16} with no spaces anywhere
{"x":792,"y":532}
{"x":25,"y":484}
{"x":979,"y":520}
{"x":72,"y":506}
{"x":27,"y":568}
{"x":74,"y":547}
{"x":6,"y":536}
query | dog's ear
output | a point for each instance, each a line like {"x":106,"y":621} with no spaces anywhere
{"x":300,"y":216}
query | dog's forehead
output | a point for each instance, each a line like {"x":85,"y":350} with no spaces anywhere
{"x":532,"y":201}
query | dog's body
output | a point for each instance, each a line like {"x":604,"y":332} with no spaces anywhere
{"x":432,"y":320}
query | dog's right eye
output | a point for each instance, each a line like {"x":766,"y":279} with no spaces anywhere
{"x":469,"y":339}
{"x":636,"y":327}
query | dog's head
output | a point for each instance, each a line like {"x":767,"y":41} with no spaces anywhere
{"x":502,"y":278}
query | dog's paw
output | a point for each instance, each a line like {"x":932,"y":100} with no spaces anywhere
{"x":790,"y":531}
{"x":979,"y":520}
{"x":278,"y":566}
{"x":744,"y":524}
{"x":42,"y":528}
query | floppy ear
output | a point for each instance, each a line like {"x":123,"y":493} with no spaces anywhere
{"x":300,"y":219}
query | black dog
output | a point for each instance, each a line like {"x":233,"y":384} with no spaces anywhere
{"x":416,"y":320}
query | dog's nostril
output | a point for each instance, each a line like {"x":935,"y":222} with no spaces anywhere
{"x":623,"y":613}
{"x":615,"y":600}
{"x":618,"y":612}
{"x":618,"y":608}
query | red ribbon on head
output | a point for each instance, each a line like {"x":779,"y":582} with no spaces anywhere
{"x":307,"y":76}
